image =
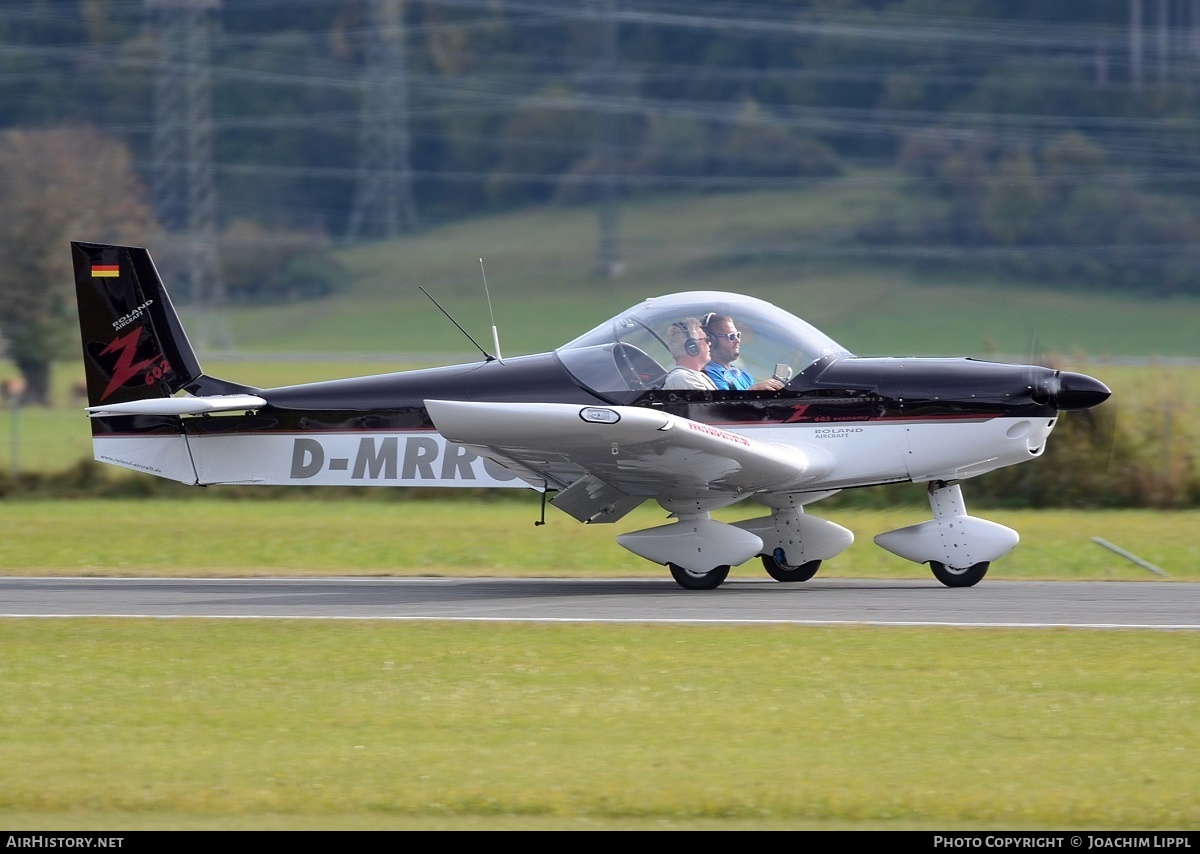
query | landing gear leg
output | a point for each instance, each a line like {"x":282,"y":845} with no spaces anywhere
{"x":794,"y":543}
{"x":946,"y":501}
{"x":958,"y":548}
{"x":696,"y":548}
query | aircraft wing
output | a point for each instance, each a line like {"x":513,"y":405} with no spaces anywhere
{"x":608,"y":459}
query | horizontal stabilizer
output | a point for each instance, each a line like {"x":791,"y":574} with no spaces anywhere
{"x":180,"y":405}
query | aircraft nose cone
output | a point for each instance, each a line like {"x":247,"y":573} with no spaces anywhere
{"x":1079,"y":391}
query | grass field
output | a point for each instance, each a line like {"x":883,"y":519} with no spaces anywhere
{"x":210,"y":724}
{"x":205,"y":724}
{"x":207,"y":536}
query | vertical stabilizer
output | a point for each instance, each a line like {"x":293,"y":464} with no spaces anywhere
{"x":134,"y":345}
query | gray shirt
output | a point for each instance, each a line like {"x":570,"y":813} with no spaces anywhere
{"x":681,"y":378}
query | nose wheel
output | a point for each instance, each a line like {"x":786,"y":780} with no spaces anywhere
{"x":958,"y":547}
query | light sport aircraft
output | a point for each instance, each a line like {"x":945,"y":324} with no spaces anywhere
{"x":591,"y":423}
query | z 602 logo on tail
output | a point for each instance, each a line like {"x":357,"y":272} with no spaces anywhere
{"x":126,"y":369}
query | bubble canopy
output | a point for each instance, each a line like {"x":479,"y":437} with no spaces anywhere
{"x":629,"y":352}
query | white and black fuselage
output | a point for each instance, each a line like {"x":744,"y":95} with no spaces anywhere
{"x":590,"y":422}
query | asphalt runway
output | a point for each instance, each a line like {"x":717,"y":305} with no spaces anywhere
{"x":831,"y":601}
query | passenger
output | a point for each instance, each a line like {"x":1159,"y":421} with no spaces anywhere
{"x":726,"y":345}
{"x":690,"y":348}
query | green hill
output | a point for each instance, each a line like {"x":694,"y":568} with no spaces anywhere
{"x":791,"y":248}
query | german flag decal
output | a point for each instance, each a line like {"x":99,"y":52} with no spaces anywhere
{"x":105,"y":271}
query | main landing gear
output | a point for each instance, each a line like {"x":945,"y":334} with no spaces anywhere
{"x":696,"y":548}
{"x":794,"y":543}
{"x":777,"y":567}
{"x":689,"y":580}
{"x":952,"y":577}
{"x":699,"y":550}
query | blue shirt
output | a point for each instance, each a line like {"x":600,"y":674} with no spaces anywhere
{"x":731,"y":378}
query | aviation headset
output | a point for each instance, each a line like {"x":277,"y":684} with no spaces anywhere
{"x":690,"y":346}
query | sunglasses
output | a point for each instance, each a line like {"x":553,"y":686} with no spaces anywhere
{"x":728,"y":336}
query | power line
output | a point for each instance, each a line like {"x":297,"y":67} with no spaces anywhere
{"x":384,"y":203}
{"x":472,"y":108}
{"x":184,"y":196}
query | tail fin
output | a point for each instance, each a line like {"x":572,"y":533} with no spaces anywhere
{"x":134,"y":346}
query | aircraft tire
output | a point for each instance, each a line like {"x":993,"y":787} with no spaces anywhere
{"x":785,"y":572}
{"x":953,"y":577}
{"x":694,"y":581}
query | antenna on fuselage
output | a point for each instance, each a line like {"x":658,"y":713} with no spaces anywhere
{"x":495,"y":334}
{"x":485,"y":353}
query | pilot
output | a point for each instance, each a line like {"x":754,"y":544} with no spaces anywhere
{"x":726,"y":345}
{"x":690,"y":348}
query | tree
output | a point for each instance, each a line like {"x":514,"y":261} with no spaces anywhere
{"x":57,"y":185}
